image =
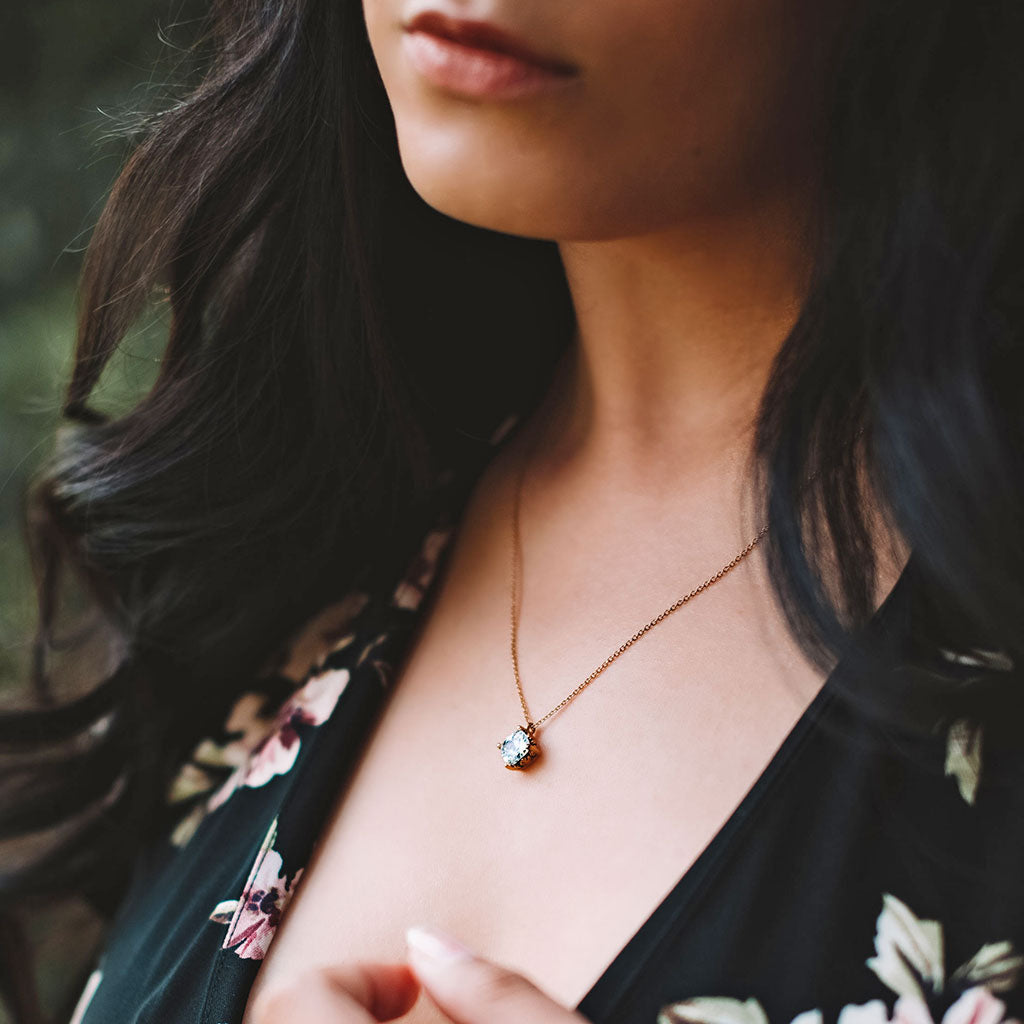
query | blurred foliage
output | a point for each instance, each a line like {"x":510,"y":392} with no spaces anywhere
{"x":73,"y":76}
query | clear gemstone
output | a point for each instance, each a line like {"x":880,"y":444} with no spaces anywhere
{"x":515,"y":747}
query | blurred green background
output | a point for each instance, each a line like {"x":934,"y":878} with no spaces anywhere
{"x":73,"y":73}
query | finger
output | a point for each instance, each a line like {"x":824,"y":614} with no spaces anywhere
{"x":356,"y":993}
{"x":472,"y":990}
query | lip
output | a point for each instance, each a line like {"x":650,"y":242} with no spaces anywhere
{"x":478,"y":59}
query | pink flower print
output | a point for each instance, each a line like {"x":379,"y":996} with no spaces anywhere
{"x":874,"y":1012}
{"x":910,"y":960}
{"x":275,"y":754}
{"x":975,"y":1006}
{"x":911,"y":1010}
{"x":248,"y":724}
{"x":253,"y":918}
{"x":413,"y":585}
{"x":260,"y":908}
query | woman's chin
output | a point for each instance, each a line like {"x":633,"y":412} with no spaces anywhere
{"x":554,"y":214}
{"x":500,"y":210}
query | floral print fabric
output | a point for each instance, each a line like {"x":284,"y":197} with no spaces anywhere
{"x":964,"y":736}
{"x":870,"y":876}
{"x":910,"y":960}
{"x":276,"y":752}
{"x":253,"y":918}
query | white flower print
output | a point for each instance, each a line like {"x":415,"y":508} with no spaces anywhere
{"x":976,"y":1006}
{"x":248,"y":724}
{"x":909,"y":953}
{"x":186,"y":827}
{"x":977,"y":657}
{"x":910,"y":960}
{"x":189,"y":782}
{"x":257,"y":740}
{"x":963,"y":756}
{"x":996,"y":966}
{"x":265,"y":746}
{"x":964,"y":737}
{"x":717,"y":1010}
{"x":713,"y":1010}
{"x":874,"y":1012}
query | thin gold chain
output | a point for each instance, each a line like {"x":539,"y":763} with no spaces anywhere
{"x":531,"y":726}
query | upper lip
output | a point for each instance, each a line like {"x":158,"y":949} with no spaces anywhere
{"x":484,"y":35}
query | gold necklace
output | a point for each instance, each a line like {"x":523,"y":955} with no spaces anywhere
{"x":520,"y":748}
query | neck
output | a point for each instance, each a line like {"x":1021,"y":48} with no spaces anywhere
{"x":676,"y":333}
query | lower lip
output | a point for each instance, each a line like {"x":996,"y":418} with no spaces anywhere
{"x":482,"y":74}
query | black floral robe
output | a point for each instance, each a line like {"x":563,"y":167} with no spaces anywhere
{"x":872,"y":873}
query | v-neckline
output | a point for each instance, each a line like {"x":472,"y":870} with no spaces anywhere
{"x":619,"y":977}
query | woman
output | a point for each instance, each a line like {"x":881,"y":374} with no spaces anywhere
{"x":685,"y":337}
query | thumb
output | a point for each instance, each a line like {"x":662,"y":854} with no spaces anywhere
{"x":472,"y":990}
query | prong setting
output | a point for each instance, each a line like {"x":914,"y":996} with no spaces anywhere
{"x":518,"y":749}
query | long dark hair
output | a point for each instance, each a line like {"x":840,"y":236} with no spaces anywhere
{"x":332,"y":340}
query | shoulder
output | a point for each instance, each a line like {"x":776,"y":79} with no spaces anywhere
{"x":256,"y":740}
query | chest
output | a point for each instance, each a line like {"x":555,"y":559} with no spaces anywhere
{"x":550,"y":870}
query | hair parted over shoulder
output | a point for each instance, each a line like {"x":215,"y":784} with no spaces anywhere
{"x":332,"y":338}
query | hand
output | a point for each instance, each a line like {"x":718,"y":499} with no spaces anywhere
{"x":471,"y":990}
{"x":466,"y":988}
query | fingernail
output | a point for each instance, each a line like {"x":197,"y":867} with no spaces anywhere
{"x":437,"y":946}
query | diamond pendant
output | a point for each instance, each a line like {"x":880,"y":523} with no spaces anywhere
{"x":519,"y":748}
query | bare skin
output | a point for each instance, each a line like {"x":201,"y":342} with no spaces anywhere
{"x":552,"y":870}
{"x":687,"y":269}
